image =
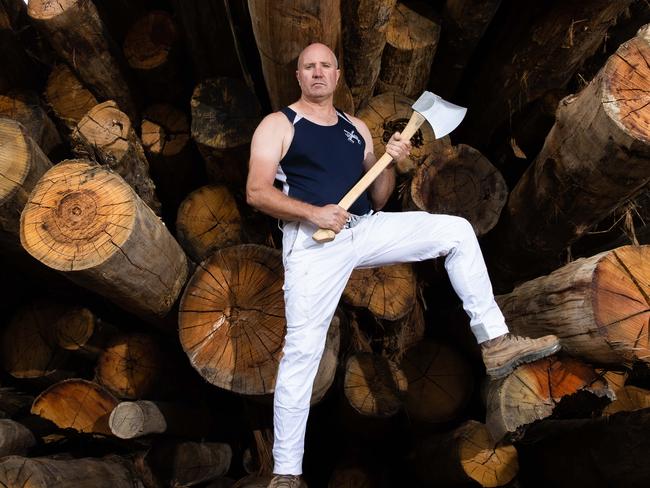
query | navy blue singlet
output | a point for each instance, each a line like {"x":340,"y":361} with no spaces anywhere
{"x":323,"y":162}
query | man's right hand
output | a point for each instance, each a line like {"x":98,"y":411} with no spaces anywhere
{"x":330,"y":217}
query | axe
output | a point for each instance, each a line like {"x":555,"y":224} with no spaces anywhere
{"x":443,"y":117}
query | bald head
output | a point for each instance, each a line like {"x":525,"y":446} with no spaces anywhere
{"x":317,"y":50}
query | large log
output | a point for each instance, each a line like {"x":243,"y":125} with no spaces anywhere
{"x":106,"y":135}
{"x":533,"y":391}
{"x":85,"y":221}
{"x":594,"y":159}
{"x":22,"y":163}
{"x":208,"y":219}
{"x":440,"y":382}
{"x":459,"y":180}
{"x":224,"y":116}
{"x":69,"y":99}
{"x":598,"y":306}
{"x":388,"y":113}
{"x":465,"y":455}
{"x":397,"y":336}
{"x":535,"y":50}
{"x":78,"y":35}
{"x":388,"y":291}
{"x":77,"y":404}
{"x":364,"y":38}
{"x":411,"y":42}
{"x":15,"y":438}
{"x":284,"y":28}
{"x":80,"y":331}
{"x":25,"y":107}
{"x":111,"y":472}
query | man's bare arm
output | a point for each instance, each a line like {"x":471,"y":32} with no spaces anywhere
{"x":266,"y":153}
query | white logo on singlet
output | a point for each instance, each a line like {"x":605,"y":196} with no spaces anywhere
{"x":352,"y":136}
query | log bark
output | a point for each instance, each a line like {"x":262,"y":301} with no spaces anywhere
{"x":535,"y":50}
{"x":511,"y":407}
{"x":77,"y":404}
{"x":25,"y":107}
{"x":22,"y":163}
{"x":284,"y":28}
{"x":208,"y":219}
{"x":110,"y":472}
{"x":69,"y":99}
{"x":440,"y":382}
{"x":599,"y":452}
{"x":132,"y":366}
{"x":388,"y":113}
{"x":465,"y":22}
{"x":594,"y":159}
{"x":15,"y":438}
{"x":364,"y":37}
{"x":224,"y":116}
{"x":411,"y":43}
{"x":152,"y":50}
{"x":598,"y":306}
{"x":465,"y":455}
{"x":459,"y":180}
{"x":85,"y":221}
{"x":388,"y":292}
{"x":78,"y":35}
{"x":106,"y":135}
{"x":373,"y":385}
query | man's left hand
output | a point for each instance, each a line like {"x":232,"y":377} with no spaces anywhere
{"x":398,"y":147}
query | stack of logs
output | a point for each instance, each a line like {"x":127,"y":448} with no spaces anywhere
{"x":155,"y":364}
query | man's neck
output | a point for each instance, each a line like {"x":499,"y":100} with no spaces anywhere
{"x":319,"y":108}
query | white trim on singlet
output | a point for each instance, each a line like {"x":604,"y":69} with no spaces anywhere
{"x":343,"y":116}
{"x":281,"y":176}
{"x":297,"y":118}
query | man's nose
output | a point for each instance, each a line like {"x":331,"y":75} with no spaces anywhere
{"x":317,"y":72}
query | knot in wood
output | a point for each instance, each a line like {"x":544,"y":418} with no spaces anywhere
{"x":76,"y":212}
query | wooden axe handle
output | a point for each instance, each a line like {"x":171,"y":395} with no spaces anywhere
{"x":414,"y":123}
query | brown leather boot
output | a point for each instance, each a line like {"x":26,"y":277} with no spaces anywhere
{"x":287,"y":481}
{"x":502,"y":354}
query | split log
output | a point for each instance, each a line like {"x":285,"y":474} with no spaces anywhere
{"x":130,"y":420}
{"x":598,"y":307}
{"x":132,"y":366}
{"x":364,"y":37}
{"x":398,"y":336}
{"x":466,"y":455}
{"x":536,"y":49}
{"x":22,"y":163}
{"x":465,"y":22}
{"x":533,"y":391}
{"x":86,"y":221}
{"x":77,"y":404}
{"x":388,"y":291}
{"x":188,"y":463}
{"x":78,"y":35}
{"x":373,"y":385}
{"x":106,"y":135}
{"x":208,"y":219}
{"x":628,"y":399}
{"x":231,"y":319}
{"x":594,"y":159}
{"x":80,"y":331}
{"x":13,"y":402}
{"x":459,"y":180}
{"x":152,"y":50}
{"x":29,"y":349}
{"x":411,"y":43}
{"x":284,"y":28}
{"x":225,"y":114}
{"x":15,"y":438}
{"x":440,"y":382}
{"x":110,"y":472}
{"x":69,"y":99}
{"x":25,"y":107}
{"x":388,"y":113}
{"x":598,"y":452}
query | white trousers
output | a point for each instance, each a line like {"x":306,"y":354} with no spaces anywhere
{"x":315,"y":276}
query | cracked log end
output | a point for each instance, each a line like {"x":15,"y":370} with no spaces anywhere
{"x":106,"y":127}
{"x":78,"y":216}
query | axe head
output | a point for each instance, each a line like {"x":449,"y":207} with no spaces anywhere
{"x":442,"y":115}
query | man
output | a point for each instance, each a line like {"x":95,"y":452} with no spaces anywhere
{"x":319,"y":153}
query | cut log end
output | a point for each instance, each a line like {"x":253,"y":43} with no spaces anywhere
{"x":149,"y":40}
{"x":165,"y":130}
{"x":14,"y":158}
{"x":134,"y":419}
{"x":67,"y":96}
{"x":46,"y":9}
{"x":106,"y":127}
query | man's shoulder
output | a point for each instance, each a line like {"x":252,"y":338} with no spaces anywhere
{"x":274,"y":122}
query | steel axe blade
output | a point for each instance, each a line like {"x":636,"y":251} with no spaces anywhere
{"x":443,"y":116}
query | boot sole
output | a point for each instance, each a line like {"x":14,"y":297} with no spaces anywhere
{"x":506,"y":369}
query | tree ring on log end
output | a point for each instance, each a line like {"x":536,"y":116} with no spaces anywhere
{"x":79,"y":229}
{"x":107,"y":127}
{"x":46,"y":9}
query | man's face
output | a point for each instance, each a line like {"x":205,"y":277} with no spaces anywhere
{"x":317,"y":73}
